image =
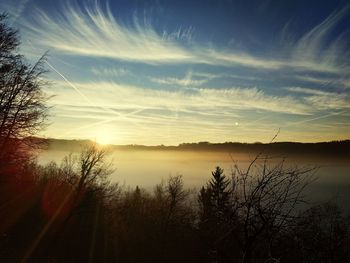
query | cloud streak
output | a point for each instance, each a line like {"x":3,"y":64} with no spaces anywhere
{"x":188,"y":109}
{"x":322,"y":100}
{"x":313,"y":45}
{"x":116,"y":96}
{"x":93,"y":31}
{"x":109,"y":72}
{"x":190,"y":80}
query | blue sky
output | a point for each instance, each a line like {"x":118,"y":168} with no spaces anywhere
{"x":167,"y":72}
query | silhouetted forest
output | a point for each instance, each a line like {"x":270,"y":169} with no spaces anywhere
{"x":339,"y":149}
{"x":71,"y":212}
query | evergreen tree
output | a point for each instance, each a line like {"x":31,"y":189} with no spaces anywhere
{"x":215,"y":216}
{"x":214,"y":199}
{"x":220,"y":193}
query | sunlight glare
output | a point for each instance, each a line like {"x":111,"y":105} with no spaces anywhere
{"x":103,"y":137}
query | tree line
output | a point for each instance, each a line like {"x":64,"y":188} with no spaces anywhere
{"x":71,"y":212}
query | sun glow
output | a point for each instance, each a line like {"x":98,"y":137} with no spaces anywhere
{"x":103,"y":137}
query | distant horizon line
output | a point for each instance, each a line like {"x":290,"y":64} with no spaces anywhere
{"x":194,"y":143}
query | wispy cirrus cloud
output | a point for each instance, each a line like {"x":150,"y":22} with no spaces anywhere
{"x":311,"y":79}
{"x":193,"y":100}
{"x":315,"y":45}
{"x":184,"y":111}
{"x":192,"y":79}
{"x":321,"y":100}
{"x":89,"y":31}
{"x":309,"y":91}
{"x":109,"y":72}
{"x":95,"y":32}
{"x":339,"y":81}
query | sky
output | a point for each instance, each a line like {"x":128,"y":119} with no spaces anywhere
{"x":167,"y":72}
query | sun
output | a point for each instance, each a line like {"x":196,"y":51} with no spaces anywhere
{"x":103,"y":137}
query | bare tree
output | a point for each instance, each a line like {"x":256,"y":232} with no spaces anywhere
{"x":93,"y":167}
{"x":23,"y":109}
{"x":8,"y":39}
{"x":268,"y":197}
{"x":171,"y":199}
{"x":176,"y":192}
{"x":89,"y":172}
{"x":74,"y":176}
